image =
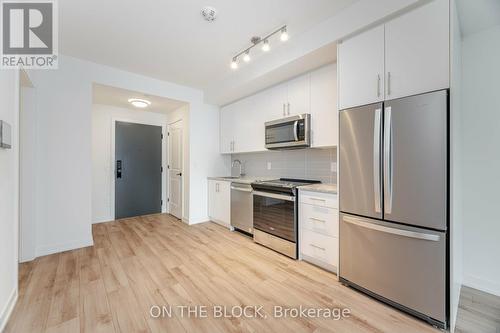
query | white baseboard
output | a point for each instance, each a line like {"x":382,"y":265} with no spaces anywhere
{"x":199,"y":220}
{"x":50,"y":249}
{"x":7,"y":310}
{"x":103,"y":219}
{"x":488,"y":286}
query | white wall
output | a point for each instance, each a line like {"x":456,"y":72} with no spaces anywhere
{"x":481,"y":159}
{"x":28,"y":159}
{"x":102,"y":168}
{"x":456,"y":228}
{"x":9,"y":186}
{"x":64,"y":188}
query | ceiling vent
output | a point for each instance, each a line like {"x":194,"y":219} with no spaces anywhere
{"x":209,"y":13}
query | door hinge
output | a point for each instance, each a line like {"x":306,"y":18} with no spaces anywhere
{"x":161,"y":202}
{"x":168,"y":166}
{"x":168,"y":199}
{"x":162,"y":135}
{"x":168,"y":134}
{"x":161,"y":169}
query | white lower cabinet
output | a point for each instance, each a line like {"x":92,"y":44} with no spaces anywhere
{"x":219,"y":202}
{"x":319,"y":229}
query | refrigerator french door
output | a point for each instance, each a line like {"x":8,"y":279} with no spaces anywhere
{"x":393,"y":181}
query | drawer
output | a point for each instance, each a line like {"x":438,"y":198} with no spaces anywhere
{"x":320,"y":247}
{"x":323,"y":220}
{"x":319,"y":199}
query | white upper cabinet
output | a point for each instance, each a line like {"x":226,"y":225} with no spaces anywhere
{"x":227,"y":117}
{"x":408,"y":55}
{"x":417,"y":51}
{"x":324,"y":114}
{"x":273,"y":102}
{"x":361,"y":69}
{"x":243,"y":122}
{"x":298,"y":96}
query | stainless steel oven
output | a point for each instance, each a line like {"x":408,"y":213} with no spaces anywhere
{"x":289,"y":133}
{"x":275,"y":215}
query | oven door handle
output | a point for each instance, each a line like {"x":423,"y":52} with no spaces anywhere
{"x":274,"y":195}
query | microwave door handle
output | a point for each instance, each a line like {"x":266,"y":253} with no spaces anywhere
{"x":295,"y":130}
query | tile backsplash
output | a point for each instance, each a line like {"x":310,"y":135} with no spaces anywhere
{"x":318,"y":164}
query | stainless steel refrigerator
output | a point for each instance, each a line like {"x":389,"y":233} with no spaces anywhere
{"x":393,"y":181}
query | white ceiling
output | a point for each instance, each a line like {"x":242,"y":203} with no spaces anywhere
{"x":478,"y":15}
{"x":118,"y":97}
{"x":169,"y":40}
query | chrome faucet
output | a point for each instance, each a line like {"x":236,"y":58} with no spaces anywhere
{"x":236,"y":169}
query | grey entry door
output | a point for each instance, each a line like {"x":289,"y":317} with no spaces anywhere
{"x":360,"y":160}
{"x":415,"y":160}
{"x":137,"y":169}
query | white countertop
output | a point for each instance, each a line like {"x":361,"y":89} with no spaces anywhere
{"x":322,"y":188}
{"x":241,"y":180}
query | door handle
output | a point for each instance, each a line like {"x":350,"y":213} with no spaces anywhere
{"x":388,"y":158}
{"x":295,"y":130}
{"x":378,"y":85}
{"x":376,"y":161}
{"x":119,"y":169}
{"x":179,"y":174}
{"x":400,"y":232}
{"x":388,"y":83}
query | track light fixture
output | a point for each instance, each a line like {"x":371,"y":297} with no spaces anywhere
{"x":256,"y":41}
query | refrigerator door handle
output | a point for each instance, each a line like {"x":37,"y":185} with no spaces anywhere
{"x":376,"y":160}
{"x":400,"y":232}
{"x":388,"y":158}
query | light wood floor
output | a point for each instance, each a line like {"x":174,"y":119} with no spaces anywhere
{"x":158,"y":260}
{"x":478,"y":312}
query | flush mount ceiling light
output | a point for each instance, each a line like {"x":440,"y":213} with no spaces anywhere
{"x":139,"y":103}
{"x":256,"y":41}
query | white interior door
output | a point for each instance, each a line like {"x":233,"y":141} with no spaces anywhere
{"x":175,"y":169}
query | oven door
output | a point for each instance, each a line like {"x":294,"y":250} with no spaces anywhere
{"x":291,"y":132}
{"x":274,"y":214}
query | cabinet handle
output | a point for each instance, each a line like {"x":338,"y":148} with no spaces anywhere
{"x":288,"y":106}
{"x":317,"y":199}
{"x":284,"y":112}
{"x":378,"y":85}
{"x":317,"y":220}
{"x":388,"y":83}
{"x":318,"y":247}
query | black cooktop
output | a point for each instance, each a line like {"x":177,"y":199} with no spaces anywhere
{"x":286,"y":182}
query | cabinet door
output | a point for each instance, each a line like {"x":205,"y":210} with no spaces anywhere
{"x":275,"y":99}
{"x":324,"y":113}
{"x":298,"y":95}
{"x":226,"y":128}
{"x":212,"y":199}
{"x":417,"y":51}
{"x":361,"y":69}
{"x":249,"y":125}
{"x":224,"y":203}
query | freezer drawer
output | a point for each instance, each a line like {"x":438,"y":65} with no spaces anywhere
{"x":404,"y":265}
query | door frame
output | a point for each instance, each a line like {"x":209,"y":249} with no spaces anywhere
{"x":164,"y":147}
{"x":182,"y":168}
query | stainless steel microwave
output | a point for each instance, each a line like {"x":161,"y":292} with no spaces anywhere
{"x":289,"y":133}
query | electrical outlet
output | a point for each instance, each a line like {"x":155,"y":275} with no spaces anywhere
{"x":333,"y":166}
{"x":269,"y":166}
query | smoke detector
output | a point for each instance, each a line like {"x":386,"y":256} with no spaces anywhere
{"x":209,"y":13}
